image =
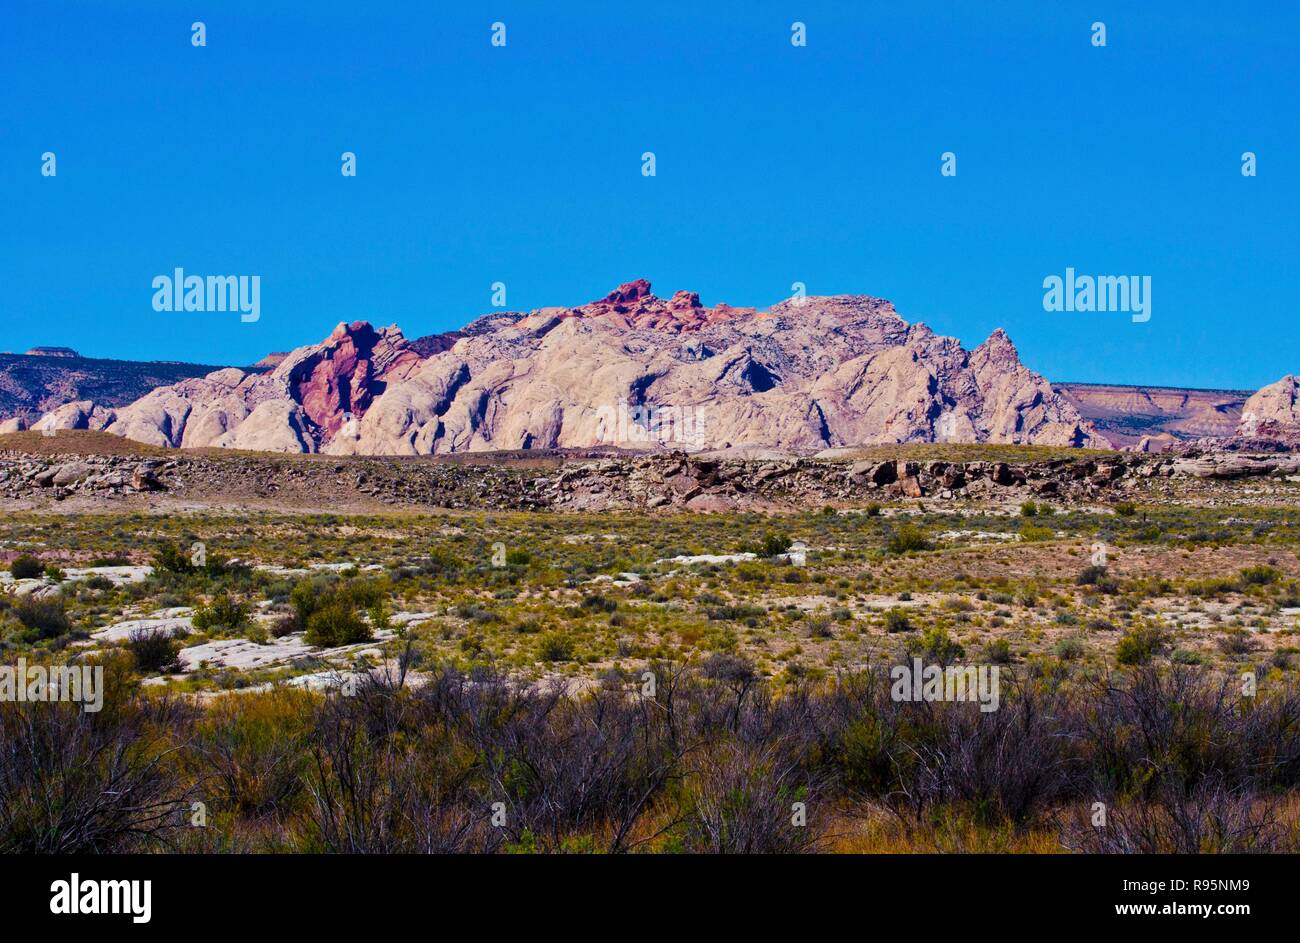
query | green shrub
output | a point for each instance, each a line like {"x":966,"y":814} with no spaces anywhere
{"x":1260,"y":575}
{"x":336,"y":623}
{"x":555,"y":646}
{"x":1029,"y":509}
{"x":599,"y":603}
{"x":1032,"y":532}
{"x":154,"y":650}
{"x":908,"y":538}
{"x":1068,"y":649}
{"x":820,"y":627}
{"x":222,"y":613}
{"x":1139,"y":645}
{"x":171,"y":559}
{"x":774,"y":544}
{"x":1091,"y":576}
{"x":936,"y":644}
{"x":998,"y":652}
{"x":47,"y":618}
{"x":1125,"y":509}
{"x":1214,"y":586}
{"x":896,"y":621}
{"x":26,"y":567}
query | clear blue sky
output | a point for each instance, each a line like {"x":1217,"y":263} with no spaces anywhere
{"x":775,"y":164}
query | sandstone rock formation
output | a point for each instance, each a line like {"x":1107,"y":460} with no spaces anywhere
{"x":307,"y":399}
{"x":629,"y":370}
{"x":1274,"y":411}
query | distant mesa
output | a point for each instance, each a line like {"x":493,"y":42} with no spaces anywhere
{"x":270,"y":361}
{"x":66,"y":352}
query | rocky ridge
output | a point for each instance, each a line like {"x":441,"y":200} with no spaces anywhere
{"x":627,"y":370}
{"x":672,"y":480}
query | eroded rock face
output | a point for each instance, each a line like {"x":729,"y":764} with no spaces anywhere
{"x":629,"y":370}
{"x":1126,"y":415}
{"x":1273,"y":412}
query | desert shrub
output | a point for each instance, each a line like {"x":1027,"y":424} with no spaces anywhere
{"x":1214,"y":586}
{"x":820,"y":628}
{"x":736,"y":613}
{"x":285,"y":625}
{"x":896,"y":620}
{"x":335,"y":623}
{"x":46,"y":618}
{"x":599,"y":603}
{"x":1139,"y":645}
{"x":222,"y":613}
{"x":1211,"y":817}
{"x":1184,"y":763}
{"x":55,"y":574}
{"x":1237,"y":642}
{"x":170,"y":558}
{"x":253,"y":748}
{"x":998,"y":652}
{"x":1090,"y":576}
{"x":1032,"y":532}
{"x":78,"y":782}
{"x":153,"y":650}
{"x":518,"y":557}
{"x":1029,"y":509}
{"x":1068,"y":649}
{"x":330,"y":613}
{"x":476,"y":613}
{"x":26,"y":567}
{"x":936,"y":644}
{"x":114,"y":560}
{"x":774,"y":544}
{"x":907,"y":538}
{"x":1260,"y":575}
{"x":740,"y":797}
{"x":1125,"y":509}
{"x":555,"y":646}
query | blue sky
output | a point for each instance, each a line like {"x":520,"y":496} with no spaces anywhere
{"x":775,"y":164}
